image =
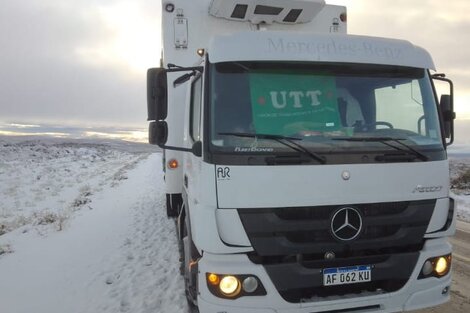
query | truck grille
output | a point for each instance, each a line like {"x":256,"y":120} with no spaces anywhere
{"x":291,"y":244}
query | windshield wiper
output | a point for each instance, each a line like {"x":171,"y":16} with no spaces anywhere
{"x":284,"y":140}
{"x":385,"y":140}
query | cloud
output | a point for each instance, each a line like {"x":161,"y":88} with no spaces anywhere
{"x":43,"y":75}
{"x":83,"y":61}
{"x":441,"y":28}
{"x":18,"y":129}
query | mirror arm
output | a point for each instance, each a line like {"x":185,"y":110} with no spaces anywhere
{"x":175,"y":148}
{"x":442,"y":77}
{"x":199,"y":69}
{"x":196,"y":149}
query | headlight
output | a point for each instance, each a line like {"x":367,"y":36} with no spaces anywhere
{"x":234,"y":286}
{"x":442,"y":266}
{"x":230,"y":286}
{"x":436,"y":267}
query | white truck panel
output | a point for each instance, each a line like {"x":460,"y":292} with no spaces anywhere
{"x":230,"y":228}
{"x":439,"y":216}
{"x":324,"y":185}
{"x":286,"y":46}
{"x":201,"y":27}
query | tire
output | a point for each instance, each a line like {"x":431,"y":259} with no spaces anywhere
{"x":192,"y":308}
{"x":173,"y":204}
{"x":190,"y":285}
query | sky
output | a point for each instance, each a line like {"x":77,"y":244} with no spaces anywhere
{"x":82,"y":63}
{"x":77,"y":62}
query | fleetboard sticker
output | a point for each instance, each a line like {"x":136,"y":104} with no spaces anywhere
{"x":285,"y":103}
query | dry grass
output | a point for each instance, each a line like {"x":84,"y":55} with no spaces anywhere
{"x":462,"y":180}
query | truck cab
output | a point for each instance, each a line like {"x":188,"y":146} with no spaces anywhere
{"x":313,"y":166}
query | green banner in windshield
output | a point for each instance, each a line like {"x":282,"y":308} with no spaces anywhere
{"x":291,"y":103}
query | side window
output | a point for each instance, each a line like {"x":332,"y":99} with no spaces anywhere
{"x":400,"y":105}
{"x":195,"y":109}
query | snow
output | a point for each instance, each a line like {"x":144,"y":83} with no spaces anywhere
{"x":45,"y":181}
{"x":83,"y":228}
{"x":115,"y":253}
{"x":463,"y":207}
{"x":460,"y":163}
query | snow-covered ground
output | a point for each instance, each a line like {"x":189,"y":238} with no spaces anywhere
{"x":43,"y":182}
{"x":86,"y":230}
{"x":461,"y":164}
{"x":83,"y":228}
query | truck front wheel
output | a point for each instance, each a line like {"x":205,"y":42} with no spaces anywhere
{"x":190,"y":274}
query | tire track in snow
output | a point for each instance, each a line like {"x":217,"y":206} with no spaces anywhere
{"x":145,"y":275}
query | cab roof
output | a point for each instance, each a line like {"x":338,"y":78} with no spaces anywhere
{"x":337,"y":48}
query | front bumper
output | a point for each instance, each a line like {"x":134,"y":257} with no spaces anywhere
{"x":414,"y":295}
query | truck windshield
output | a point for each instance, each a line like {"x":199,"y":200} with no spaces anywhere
{"x":329,"y":108}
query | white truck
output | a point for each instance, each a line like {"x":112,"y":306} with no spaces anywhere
{"x":307,"y":168}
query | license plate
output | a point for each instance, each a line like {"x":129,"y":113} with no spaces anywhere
{"x":346,"y":275}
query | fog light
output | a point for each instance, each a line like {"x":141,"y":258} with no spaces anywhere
{"x":230,"y":286}
{"x":427,"y":268}
{"x":250,"y":284}
{"x":441,"y":267}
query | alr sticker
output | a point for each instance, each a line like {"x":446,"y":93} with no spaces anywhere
{"x":223,"y":173}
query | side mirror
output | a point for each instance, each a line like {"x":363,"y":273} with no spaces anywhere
{"x":446,"y":106}
{"x":157,"y":105}
{"x":448,"y":115}
{"x":158,"y":133}
{"x":157,"y":94}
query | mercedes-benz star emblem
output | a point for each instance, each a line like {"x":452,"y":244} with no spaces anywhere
{"x":346,"y":224}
